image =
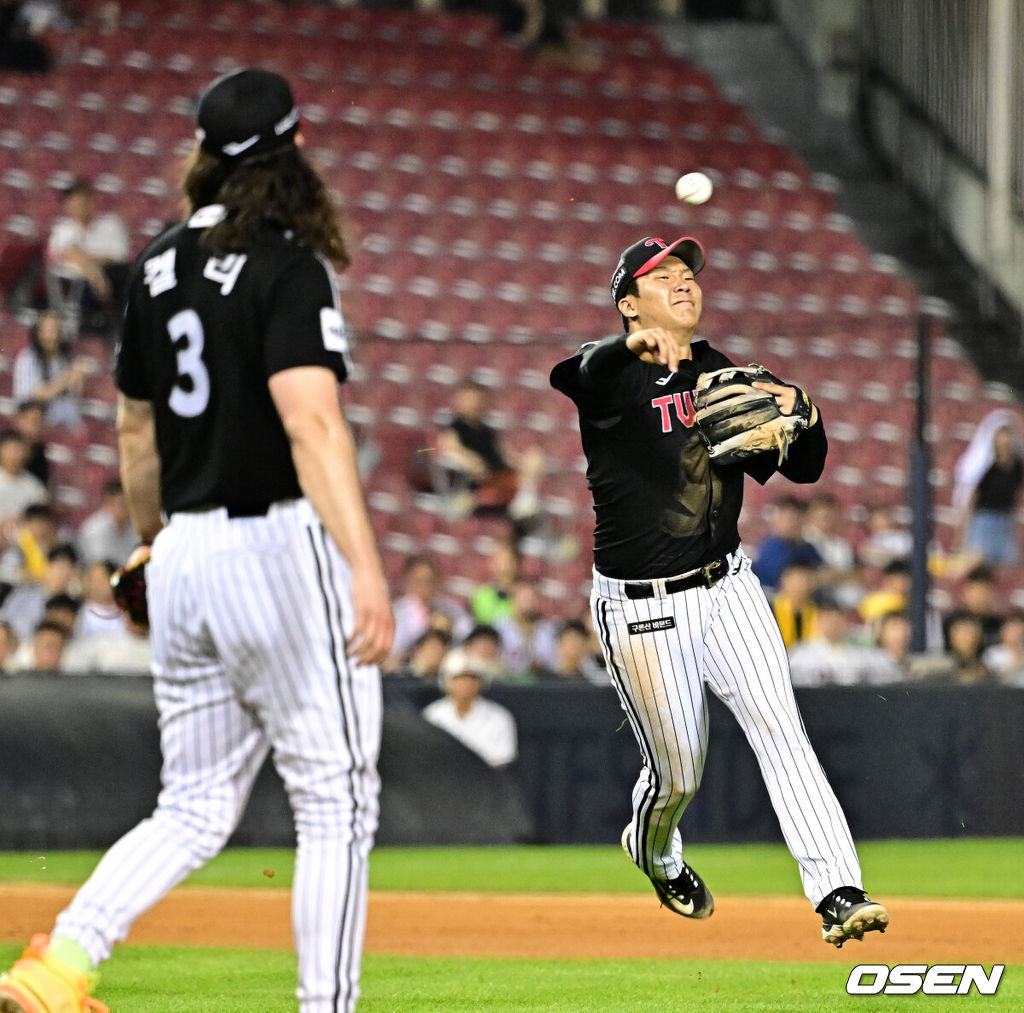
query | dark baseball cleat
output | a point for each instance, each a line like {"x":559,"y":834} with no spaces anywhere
{"x":847,"y":913}
{"x":686,"y":895}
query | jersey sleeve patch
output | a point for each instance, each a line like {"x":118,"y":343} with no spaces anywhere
{"x":332,"y":328}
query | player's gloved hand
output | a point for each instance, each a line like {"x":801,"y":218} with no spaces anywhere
{"x":790,"y":399}
{"x":746,"y":410}
{"x":129,"y":586}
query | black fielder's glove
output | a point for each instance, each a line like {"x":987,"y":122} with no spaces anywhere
{"x":736,"y":420}
{"x":129,"y":585}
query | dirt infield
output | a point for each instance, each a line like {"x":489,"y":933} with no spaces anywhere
{"x":535,"y":925}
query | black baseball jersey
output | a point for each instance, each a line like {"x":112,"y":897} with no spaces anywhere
{"x":202,"y":335}
{"x":661,"y":507}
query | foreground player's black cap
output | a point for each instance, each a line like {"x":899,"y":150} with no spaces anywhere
{"x":245,"y":113}
{"x":647,"y":254}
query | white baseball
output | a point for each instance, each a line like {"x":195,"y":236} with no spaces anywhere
{"x":694,"y":188}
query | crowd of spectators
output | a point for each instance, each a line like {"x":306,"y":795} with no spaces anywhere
{"x":842,"y":600}
{"x":57,"y":611}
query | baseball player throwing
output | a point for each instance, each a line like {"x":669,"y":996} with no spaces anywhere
{"x":268,"y":605}
{"x":674,"y":600}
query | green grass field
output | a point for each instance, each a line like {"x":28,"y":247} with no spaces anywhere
{"x":161,"y":979}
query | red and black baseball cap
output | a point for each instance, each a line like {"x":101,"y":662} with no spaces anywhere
{"x":647,"y":254}
{"x":247,"y":112}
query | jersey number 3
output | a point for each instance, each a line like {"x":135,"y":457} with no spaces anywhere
{"x":191,"y":394}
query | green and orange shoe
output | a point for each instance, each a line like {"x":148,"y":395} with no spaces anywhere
{"x":40,"y":983}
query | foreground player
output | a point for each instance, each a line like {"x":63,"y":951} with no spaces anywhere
{"x":674,"y":600}
{"x":270,"y":612}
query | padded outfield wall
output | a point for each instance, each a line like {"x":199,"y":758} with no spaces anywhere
{"x":79,"y":765}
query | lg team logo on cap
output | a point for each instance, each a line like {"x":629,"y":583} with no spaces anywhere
{"x":657,"y":242}
{"x":909,"y":979}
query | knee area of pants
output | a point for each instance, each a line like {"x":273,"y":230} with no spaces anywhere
{"x":678,"y":789}
{"x":205,"y":835}
{"x":314,"y":813}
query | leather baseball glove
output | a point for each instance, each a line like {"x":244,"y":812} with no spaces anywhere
{"x":736,"y":420}
{"x":129,"y":585}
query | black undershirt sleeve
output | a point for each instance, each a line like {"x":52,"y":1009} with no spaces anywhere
{"x":603,"y":361}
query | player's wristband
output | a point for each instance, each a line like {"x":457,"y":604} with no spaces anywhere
{"x":803,"y":408}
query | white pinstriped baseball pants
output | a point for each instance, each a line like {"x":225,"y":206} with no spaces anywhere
{"x":725,"y":639}
{"x":249,"y":618}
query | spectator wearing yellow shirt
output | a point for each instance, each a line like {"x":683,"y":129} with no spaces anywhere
{"x":793,"y":605}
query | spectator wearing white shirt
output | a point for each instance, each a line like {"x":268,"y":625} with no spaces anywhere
{"x":1006,"y":658}
{"x":482,"y":725}
{"x":107,"y":534}
{"x":43,"y":371}
{"x":19,"y":489}
{"x":44,"y":652}
{"x":98,"y":615}
{"x":124,"y":653}
{"x":830,"y":658}
{"x":94,"y":248}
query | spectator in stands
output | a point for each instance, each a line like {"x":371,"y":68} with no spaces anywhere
{"x":890,"y":659}
{"x":793,"y":604}
{"x":578,"y":656}
{"x":8,"y":646}
{"x":786,"y":544}
{"x":44,"y":652}
{"x":124,"y":653}
{"x":481,"y":725}
{"x":63,"y":610}
{"x":964,"y":645}
{"x":92,"y":248}
{"x":891,"y":595}
{"x":425,"y":656}
{"x":1006,"y":658}
{"x":491,"y":601}
{"x":886,"y":541}
{"x":107,"y":534}
{"x":421,"y":606}
{"x":19,"y":489}
{"x":989,"y":476}
{"x":471,"y":459}
{"x":24,"y":608}
{"x":99,"y":614}
{"x":22,"y":47}
{"x":485,"y":641}
{"x":979,"y":595}
{"x":29,"y":422}
{"x":824,"y":527}
{"x":830,"y":657}
{"x":44,"y":371}
{"x":528,"y":640}
{"x":26,"y":555}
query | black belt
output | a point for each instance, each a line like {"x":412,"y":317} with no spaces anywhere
{"x":704,"y":576}
{"x":234,"y":511}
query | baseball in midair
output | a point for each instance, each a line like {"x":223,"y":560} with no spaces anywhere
{"x":694,"y":188}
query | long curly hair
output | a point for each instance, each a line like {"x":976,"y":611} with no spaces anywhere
{"x":281,"y":187}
